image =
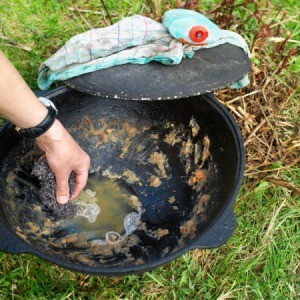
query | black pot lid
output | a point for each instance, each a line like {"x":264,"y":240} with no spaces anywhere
{"x":209,"y":70}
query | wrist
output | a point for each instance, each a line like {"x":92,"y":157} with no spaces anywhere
{"x":37,"y":117}
{"x":44,"y":125}
{"x":24,"y":111}
{"x":54,"y":134}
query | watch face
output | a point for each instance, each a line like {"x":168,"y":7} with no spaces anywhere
{"x":47,"y":103}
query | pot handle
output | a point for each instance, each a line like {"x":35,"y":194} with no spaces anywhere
{"x":9,"y":243}
{"x":219,"y":233}
{"x":53,"y":92}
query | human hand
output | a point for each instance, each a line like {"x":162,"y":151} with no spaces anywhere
{"x":64,"y":155}
{"x":19,"y":104}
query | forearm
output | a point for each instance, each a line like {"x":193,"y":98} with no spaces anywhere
{"x":17,"y":102}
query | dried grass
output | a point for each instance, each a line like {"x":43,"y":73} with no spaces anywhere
{"x":267,"y":111}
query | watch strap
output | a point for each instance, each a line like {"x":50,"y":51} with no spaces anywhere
{"x":42,"y":127}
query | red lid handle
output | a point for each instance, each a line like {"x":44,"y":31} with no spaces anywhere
{"x":198,"y":34}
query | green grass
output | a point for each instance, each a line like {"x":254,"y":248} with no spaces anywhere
{"x":260,"y":261}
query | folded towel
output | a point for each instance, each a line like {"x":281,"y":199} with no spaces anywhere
{"x":136,"y":39}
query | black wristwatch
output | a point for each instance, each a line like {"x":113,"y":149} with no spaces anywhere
{"x":41,"y":128}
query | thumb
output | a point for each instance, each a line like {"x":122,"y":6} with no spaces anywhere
{"x":62,"y":189}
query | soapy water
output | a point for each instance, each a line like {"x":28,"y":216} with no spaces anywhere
{"x":110,"y":237}
{"x":106,"y":211}
{"x":87,"y":206}
{"x":131,"y":222}
{"x":88,"y":211}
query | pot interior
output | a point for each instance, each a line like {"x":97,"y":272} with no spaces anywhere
{"x":168,"y":168}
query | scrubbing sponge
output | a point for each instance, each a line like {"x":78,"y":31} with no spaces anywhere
{"x":47,"y":191}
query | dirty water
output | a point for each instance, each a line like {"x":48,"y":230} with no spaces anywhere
{"x":115,"y":200}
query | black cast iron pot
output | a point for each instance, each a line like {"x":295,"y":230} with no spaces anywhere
{"x":183,"y":158}
{"x":206,"y":205}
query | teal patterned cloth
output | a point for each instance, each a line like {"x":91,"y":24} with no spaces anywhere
{"x":137,"y":40}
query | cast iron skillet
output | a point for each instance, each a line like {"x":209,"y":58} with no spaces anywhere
{"x":83,"y":114}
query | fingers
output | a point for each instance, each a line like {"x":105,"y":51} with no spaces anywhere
{"x":81,"y":179}
{"x":82,"y":176}
{"x":64,"y":155}
{"x":62,"y":181}
{"x":62,"y":189}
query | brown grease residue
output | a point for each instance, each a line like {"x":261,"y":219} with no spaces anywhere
{"x":162,"y":232}
{"x":197,"y":178}
{"x":97,"y":132}
{"x":125,"y":148}
{"x":32,"y":227}
{"x":158,"y":234}
{"x":109,"y":174}
{"x":155,"y":181}
{"x":37,"y":208}
{"x":73,"y":239}
{"x":197,"y":153}
{"x":121,"y":247}
{"x":160,"y":160}
{"x":173,"y":138}
{"x":195,"y":127}
{"x":131,"y":130}
{"x":105,"y":131}
{"x":172,"y":200}
{"x":20,"y":233}
{"x":82,"y":258}
{"x":187,"y":148}
{"x":154,"y":136}
{"x":201,"y":205}
{"x":188,"y":228}
{"x":130,"y":176}
{"x":206,"y":152}
{"x":136,"y":203}
{"x":139,"y":262}
{"x":165,"y":252}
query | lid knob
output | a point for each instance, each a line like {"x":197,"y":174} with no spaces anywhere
{"x":198,"y":34}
